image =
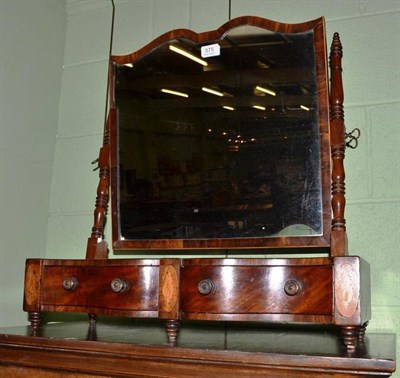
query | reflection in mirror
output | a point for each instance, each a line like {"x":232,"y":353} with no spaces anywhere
{"x":224,"y":145}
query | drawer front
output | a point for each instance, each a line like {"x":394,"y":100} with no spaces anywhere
{"x":257,"y":290}
{"x":133,"y":288}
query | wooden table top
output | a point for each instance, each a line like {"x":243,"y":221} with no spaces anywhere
{"x":128,"y":347}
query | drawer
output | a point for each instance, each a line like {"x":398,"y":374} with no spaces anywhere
{"x":133,"y":288}
{"x":214,"y":289}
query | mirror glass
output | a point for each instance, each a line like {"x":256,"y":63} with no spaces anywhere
{"x":220,"y":139}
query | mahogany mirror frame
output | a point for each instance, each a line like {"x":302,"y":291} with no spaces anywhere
{"x":331,"y":131}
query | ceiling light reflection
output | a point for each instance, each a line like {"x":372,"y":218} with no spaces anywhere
{"x":175,"y":93}
{"x":187,"y":54}
{"x":212,"y":91}
{"x":266,"y":90}
{"x":259,"y":107}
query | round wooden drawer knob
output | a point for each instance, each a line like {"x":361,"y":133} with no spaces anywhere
{"x":292,"y":287}
{"x":206,"y":287}
{"x":70,"y":283}
{"x":119,"y":285}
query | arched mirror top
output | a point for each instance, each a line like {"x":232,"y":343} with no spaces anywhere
{"x":221,"y":139}
{"x":240,"y":25}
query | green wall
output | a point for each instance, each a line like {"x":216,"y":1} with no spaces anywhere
{"x":32,"y":43}
{"x":370,"y":33}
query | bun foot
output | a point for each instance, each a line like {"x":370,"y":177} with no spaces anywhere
{"x":172,"y":327}
{"x":349,"y":336}
{"x":353,"y":337}
{"x":35,"y":318}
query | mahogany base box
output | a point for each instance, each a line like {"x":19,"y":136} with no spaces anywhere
{"x":332,"y":291}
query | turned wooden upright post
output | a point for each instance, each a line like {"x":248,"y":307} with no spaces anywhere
{"x":97,"y":247}
{"x":337,"y":132}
